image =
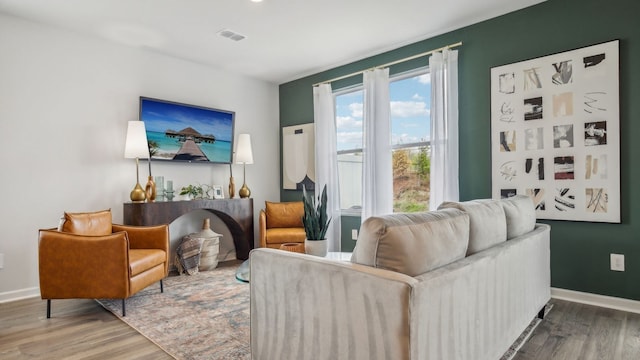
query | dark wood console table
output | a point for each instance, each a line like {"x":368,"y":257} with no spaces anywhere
{"x":237,"y":214}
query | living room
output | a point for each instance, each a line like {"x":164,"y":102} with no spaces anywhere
{"x":66,"y":98}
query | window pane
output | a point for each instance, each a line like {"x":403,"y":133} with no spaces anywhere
{"x":410,"y":122}
{"x":350,"y":179}
{"x":409,"y":104}
{"x":411,"y":179}
{"x":349,"y":120}
{"x":349,"y":137}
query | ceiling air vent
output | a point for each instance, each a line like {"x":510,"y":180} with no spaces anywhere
{"x":231,"y":35}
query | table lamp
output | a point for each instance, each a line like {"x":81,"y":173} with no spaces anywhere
{"x":136,"y":147}
{"x":244,"y":156}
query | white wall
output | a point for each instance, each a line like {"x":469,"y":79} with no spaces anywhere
{"x":65,"y":100}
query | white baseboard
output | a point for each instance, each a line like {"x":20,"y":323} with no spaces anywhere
{"x":19,"y":294}
{"x":597,"y":300}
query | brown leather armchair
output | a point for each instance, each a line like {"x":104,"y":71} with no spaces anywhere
{"x":88,"y":257}
{"x":281,"y":223}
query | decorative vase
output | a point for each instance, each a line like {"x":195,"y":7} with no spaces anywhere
{"x":150,"y":189}
{"x":316,"y":247}
{"x":210,"y":246}
{"x":232,"y":188}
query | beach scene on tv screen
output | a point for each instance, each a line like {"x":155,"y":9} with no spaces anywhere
{"x":187,"y":133}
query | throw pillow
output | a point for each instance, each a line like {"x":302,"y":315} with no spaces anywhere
{"x":188,"y":255}
{"x":520,"y":214}
{"x":413,"y":243}
{"x":487,"y":223}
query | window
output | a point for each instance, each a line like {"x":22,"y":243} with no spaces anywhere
{"x":410,"y":95}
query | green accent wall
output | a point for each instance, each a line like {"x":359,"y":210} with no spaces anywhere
{"x":579,"y":250}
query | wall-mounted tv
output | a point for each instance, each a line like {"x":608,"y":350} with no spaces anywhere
{"x":182,"y":132}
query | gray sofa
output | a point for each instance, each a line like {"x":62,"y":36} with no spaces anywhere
{"x":462,"y":282}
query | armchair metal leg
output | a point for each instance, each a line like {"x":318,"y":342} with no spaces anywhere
{"x":161,"y":287}
{"x":124,"y":309}
{"x":48,"y":308}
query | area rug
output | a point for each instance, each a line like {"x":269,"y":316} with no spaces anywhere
{"x":206,"y":316}
{"x":200,"y":316}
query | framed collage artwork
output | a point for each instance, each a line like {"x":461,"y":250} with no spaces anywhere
{"x":555,"y":133}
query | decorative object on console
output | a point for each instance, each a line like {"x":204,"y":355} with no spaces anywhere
{"x":217,"y":192}
{"x":232,"y":184}
{"x":244,"y":156}
{"x":168,"y":192}
{"x":193,"y":191}
{"x":159,"y":181}
{"x":555,"y":133}
{"x":316,"y":222}
{"x":135,"y":148}
{"x":150,"y":188}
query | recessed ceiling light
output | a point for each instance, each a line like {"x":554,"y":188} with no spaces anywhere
{"x":256,"y":0}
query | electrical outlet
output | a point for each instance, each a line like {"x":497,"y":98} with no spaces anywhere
{"x":617,"y":262}
{"x":354,"y":234}
{"x":1,"y":261}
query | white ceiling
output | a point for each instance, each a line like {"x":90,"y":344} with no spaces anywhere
{"x":285,"y":39}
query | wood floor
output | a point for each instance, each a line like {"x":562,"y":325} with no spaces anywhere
{"x":584,"y":332}
{"x":77,"y":329}
{"x":82,"y":329}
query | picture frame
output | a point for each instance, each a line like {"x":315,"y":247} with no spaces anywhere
{"x":298,"y":157}
{"x":555,"y":133}
{"x":218,"y":193}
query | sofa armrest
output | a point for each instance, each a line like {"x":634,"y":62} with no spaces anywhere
{"x":81,"y":266}
{"x":146,"y":237}
{"x":302,"y":304}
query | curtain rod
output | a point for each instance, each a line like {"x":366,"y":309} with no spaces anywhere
{"x":391,"y":63}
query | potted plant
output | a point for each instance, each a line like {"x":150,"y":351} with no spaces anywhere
{"x":193,"y":191}
{"x":316,"y":223}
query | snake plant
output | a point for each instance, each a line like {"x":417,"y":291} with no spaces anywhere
{"x":315,"y":220}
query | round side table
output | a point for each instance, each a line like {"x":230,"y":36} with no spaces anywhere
{"x":293,"y":247}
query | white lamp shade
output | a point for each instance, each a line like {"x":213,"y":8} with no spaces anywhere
{"x":136,"y":145}
{"x":244,"y":155}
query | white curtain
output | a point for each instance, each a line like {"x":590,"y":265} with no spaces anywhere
{"x":377,"y":177}
{"x":326,"y":158}
{"x":444,"y":127}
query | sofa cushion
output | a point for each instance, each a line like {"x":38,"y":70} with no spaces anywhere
{"x":284,"y":214}
{"x":413,"y":243}
{"x":88,"y":223}
{"x":487,"y":223}
{"x":520,"y":215}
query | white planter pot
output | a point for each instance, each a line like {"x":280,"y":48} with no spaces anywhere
{"x":315,"y":247}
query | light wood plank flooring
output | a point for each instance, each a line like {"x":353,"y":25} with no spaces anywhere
{"x":82,"y":329}
{"x":77,"y":329}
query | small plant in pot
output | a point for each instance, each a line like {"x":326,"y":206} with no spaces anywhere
{"x":316,"y":222}
{"x":193,"y":191}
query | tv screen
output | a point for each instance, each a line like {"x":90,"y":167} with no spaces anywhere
{"x":181,"y":132}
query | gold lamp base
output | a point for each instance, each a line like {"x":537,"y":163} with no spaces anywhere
{"x":138,"y":194}
{"x":244,"y":191}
